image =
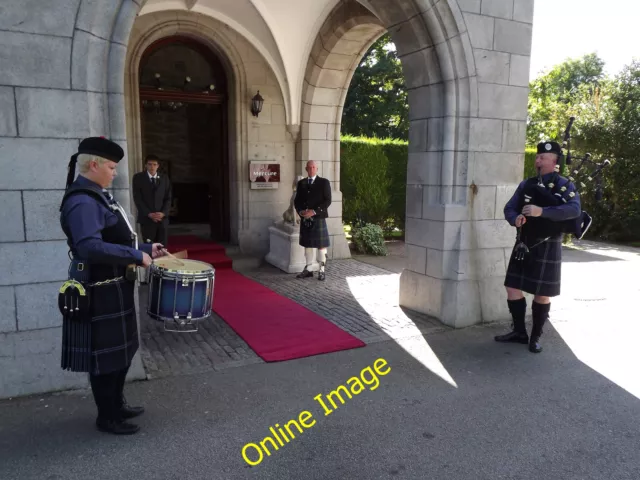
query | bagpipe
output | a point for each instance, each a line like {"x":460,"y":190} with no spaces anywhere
{"x":577,"y":175}
{"x":558,"y":191}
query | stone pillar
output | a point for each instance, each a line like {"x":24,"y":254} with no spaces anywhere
{"x":466,"y":155}
{"x":61,"y":80}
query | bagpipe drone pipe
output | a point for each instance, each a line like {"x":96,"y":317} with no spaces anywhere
{"x":586,"y":175}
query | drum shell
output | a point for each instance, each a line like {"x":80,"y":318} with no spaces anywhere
{"x":177,"y":295}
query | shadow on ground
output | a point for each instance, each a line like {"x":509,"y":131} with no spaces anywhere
{"x":508,"y":414}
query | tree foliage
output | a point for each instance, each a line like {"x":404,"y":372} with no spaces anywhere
{"x":572,"y":88}
{"x":607,"y":125}
{"x":615,"y":134}
{"x":377,"y":103}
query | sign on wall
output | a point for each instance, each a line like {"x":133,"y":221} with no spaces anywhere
{"x":264,"y":175}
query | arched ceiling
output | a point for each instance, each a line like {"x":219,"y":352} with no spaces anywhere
{"x":283,"y":31}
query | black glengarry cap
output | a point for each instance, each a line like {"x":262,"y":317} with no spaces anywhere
{"x":98,"y":146}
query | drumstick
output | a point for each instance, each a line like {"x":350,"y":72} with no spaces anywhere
{"x":175,"y":258}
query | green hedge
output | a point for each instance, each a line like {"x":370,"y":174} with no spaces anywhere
{"x":529,"y":162}
{"x":373,"y":176}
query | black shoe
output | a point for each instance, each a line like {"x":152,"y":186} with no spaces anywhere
{"x":116,"y":427}
{"x":305,"y":273}
{"x":513,"y":337}
{"x":321,"y":276}
{"x":127,"y":411}
{"x":534,"y":345}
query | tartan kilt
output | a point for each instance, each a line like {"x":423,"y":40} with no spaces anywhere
{"x":540,"y":272}
{"x":114,"y":330}
{"x":317,"y":236}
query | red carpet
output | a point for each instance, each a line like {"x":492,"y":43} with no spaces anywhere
{"x":275,"y":327}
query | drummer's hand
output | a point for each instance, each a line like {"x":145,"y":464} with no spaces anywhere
{"x":146,"y":260}
{"x":520,"y":220}
{"x":157,"y":250}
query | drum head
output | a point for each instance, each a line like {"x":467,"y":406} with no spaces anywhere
{"x":181,"y":265}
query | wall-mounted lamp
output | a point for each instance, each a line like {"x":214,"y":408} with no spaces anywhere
{"x":256,"y":104}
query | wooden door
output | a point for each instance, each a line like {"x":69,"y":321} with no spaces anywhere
{"x":219,"y":178}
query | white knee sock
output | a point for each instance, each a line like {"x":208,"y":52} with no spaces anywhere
{"x":322,"y":253}
{"x":308,"y":253}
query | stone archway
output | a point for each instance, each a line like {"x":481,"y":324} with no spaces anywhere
{"x":343,"y":40}
{"x":468,"y":121}
{"x":464,"y":126}
{"x":207,"y":32}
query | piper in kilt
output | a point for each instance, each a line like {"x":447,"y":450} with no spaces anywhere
{"x":542,"y":208}
{"x":313,"y":197}
{"x":101,"y":337}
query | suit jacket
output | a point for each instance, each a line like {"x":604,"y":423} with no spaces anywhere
{"x":313,"y":197}
{"x":149,"y":199}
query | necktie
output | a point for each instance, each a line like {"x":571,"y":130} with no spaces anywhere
{"x":310,"y":181}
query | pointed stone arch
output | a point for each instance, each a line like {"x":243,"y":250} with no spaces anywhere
{"x":343,"y":40}
{"x":455,"y":237}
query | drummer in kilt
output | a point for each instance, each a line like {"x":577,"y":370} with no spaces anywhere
{"x":541,"y":208}
{"x":313,"y":197}
{"x":100,"y":333}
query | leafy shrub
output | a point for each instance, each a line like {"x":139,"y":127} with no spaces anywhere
{"x":369,"y":239}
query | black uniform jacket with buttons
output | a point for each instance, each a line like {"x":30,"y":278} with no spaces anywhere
{"x":316,"y":196}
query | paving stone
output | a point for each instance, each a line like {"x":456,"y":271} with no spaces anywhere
{"x":171,"y":353}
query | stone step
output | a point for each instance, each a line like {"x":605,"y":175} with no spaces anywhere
{"x":232,"y":250}
{"x":243,"y":263}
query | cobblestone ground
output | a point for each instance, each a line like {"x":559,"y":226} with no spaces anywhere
{"x":362,"y":299}
{"x":213,"y":347}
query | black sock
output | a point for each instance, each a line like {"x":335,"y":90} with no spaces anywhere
{"x":104,"y":388}
{"x":540,"y":310}
{"x":518,"y":309}
{"x":540,"y":314}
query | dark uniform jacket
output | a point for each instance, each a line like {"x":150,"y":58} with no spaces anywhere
{"x":149,"y":198}
{"x":316,"y":196}
{"x":101,"y":245}
{"x":567,"y":207}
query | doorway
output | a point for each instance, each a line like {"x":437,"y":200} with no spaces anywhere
{"x":183,"y":100}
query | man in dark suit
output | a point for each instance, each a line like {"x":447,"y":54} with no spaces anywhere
{"x":152,"y":196}
{"x":313,"y":197}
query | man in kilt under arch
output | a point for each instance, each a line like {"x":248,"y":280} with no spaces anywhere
{"x":313,"y":197}
{"x":542,"y":208}
{"x":100,"y":332}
